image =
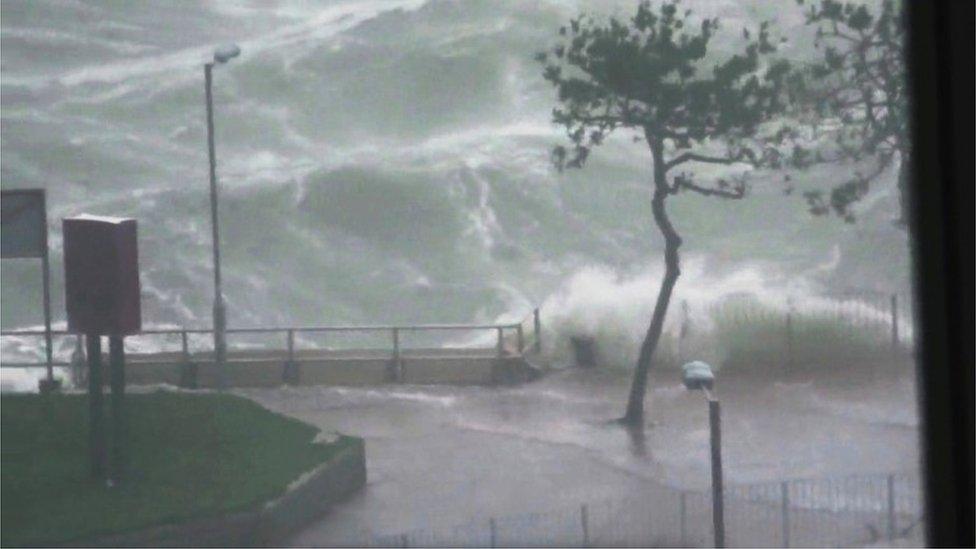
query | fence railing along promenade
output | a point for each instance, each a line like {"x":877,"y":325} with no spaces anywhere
{"x":787,"y":331}
{"x":509,"y":338}
{"x":831,"y":512}
{"x":856,"y":324}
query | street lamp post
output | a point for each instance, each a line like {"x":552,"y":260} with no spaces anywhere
{"x":221,"y":55}
{"x":698,"y":375}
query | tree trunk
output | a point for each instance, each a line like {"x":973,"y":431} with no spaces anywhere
{"x":635,"y":404}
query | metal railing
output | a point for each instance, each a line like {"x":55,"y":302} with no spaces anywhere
{"x":829,"y":512}
{"x":510,"y":338}
{"x":529,"y":331}
{"x":805,"y":331}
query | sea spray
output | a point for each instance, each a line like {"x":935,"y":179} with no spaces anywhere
{"x":357,"y":186}
{"x":614,"y":309}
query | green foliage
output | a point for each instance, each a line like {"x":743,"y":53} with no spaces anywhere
{"x":861,"y":82}
{"x":191,"y":456}
{"x":651,"y":74}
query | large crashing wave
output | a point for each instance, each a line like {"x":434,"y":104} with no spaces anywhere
{"x":379,"y":162}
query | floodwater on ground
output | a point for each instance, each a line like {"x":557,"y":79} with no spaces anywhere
{"x":438,"y":457}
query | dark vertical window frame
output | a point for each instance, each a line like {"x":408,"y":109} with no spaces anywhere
{"x":941,"y":65}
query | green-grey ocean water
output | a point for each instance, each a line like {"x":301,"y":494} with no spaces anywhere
{"x":379,"y":162}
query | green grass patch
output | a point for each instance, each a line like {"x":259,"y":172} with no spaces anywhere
{"x":190,"y":456}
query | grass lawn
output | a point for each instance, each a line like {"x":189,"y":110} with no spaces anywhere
{"x":190,"y":455}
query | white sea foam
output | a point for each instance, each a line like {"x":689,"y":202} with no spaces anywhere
{"x":175,"y":67}
{"x":492,"y":228}
{"x":45,"y":37}
{"x":615,"y":309}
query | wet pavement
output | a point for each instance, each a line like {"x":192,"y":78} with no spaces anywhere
{"x":438,"y":457}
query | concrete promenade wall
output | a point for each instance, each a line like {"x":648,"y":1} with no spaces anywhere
{"x":268,"y":524}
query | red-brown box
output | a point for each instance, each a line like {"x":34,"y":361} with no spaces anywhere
{"x":101,"y":275}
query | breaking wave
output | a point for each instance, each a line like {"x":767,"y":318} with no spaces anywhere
{"x":379,"y":161}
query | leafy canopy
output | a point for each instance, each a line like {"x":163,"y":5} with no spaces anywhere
{"x":857,"y":93}
{"x":653,"y":74}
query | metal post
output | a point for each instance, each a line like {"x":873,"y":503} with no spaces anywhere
{"x":891,"y":507}
{"x":585,"y":520}
{"x":291,"y":345}
{"x":789,"y":337}
{"x":718,"y":506}
{"x":185,"y":345}
{"x":894,"y":324}
{"x":397,"y":366}
{"x":521,"y":338}
{"x":78,"y":362}
{"x":499,"y":345}
{"x":537,"y":325}
{"x":290,"y":372}
{"x":784,"y":498}
{"x":119,"y":426}
{"x":96,"y":428}
{"x":219,"y":309}
{"x":683,"y":519}
{"x":49,"y":346}
{"x":494,"y":532}
{"x":188,"y":372}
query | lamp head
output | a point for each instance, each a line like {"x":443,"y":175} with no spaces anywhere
{"x":697,"y":375}
{"x":226,"y":52}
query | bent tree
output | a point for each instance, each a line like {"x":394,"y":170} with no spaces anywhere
{"x":653,"y":75}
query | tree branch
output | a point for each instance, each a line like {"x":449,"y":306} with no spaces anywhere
{"x":695,"y":157}
{"x":734,"y":194}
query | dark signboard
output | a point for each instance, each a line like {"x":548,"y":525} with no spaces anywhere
{"x":101,"y":275}
{"x":23,"y":224}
